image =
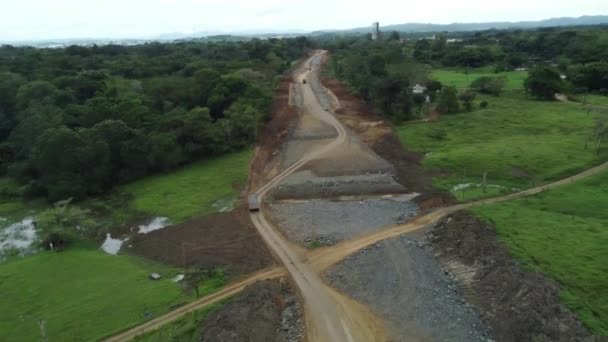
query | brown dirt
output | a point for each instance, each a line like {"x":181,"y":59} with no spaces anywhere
{"x":518,"y":305}
{"x":253,"y":315}
{"x":264,"y":165}
{"x":379,"y":135}
{"x":226,"y":240}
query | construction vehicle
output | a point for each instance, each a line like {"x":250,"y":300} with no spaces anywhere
{"x":254,"y":204}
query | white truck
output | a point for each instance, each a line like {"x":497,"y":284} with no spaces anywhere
{"x":254,"y":204}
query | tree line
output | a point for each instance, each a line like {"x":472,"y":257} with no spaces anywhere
{"x":571,"y":60}
{"x":79,"y":120}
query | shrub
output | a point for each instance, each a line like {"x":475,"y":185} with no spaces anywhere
{"x":448,"y":100}
{"x":483,"y":104}
{"x":489,"y":85}
{"x":543,"y":82}
{"x":467,"y":97}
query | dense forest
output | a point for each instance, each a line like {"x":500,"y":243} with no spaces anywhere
{"x":77,"y":121}
{"x":384,"y":71}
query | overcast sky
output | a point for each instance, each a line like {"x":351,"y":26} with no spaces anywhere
{"x":44,"y":19}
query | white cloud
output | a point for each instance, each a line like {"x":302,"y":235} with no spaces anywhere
{"x":37,"y":19}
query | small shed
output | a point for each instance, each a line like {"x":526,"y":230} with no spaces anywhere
{"x":418,"y":89}
{"x":154,"y":276}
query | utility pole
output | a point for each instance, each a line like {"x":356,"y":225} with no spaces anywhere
{"x":464,"y":179}
{"x":42,"y":325}
{"x":184,"y":257}
{"x":483,"y":183}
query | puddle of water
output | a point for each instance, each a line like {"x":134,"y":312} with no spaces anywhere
{"x":20,"y":235}
{"x":156,"y":224}
{"x":178,"y":278}
{"x":112,"y":246}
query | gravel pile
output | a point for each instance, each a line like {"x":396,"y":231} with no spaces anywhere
{"x":329,"y":221}
{"x":304,"y":184}
{"x":401,"y":281}
{"x":292,"y":327}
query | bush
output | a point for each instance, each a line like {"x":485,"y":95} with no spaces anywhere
{"x":448,"y":100}
{"x":437,"y":134}
{"x":489,"y":85}
{"x":483,"y":104}
{"x":543,"y":82}
{"x":467,"y":97}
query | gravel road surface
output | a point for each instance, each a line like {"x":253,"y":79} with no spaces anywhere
{"x":400,"y":280}
{"x":333,"y":221}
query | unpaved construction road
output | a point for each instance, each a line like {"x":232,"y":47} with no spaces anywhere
{"x":330,"y":316}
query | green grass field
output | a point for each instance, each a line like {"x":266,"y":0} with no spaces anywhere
{"x":459,"y":79}
{"x":80,"y":294}
{"x":191,"y":190}
{"x":84,"y":294}
{"x":592,"y":99}
{"x":563,"y":233}
{"x":519,"y":142}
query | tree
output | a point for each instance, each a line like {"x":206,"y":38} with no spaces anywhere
{"x":205,"y":80}
{"x":9,"y":84}
{"x":467,"y":97}
{"x":37,"y":91}
{"x":165,"y":152}
{"x":422,"y":50}
{"x":448,"y":100}
{"x":80,"y":170}
{"x":393,"y":35}
{"x":543,"y":82}
{"x":489,"y":85}
{"x":432,"y":88}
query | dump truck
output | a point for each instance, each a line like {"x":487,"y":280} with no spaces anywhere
{"x":254,"y":204}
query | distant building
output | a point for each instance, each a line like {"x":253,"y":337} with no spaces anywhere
{"x":375,"y":30}
{"x":418,"y":89}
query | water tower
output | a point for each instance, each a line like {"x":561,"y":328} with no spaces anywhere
{"x":375,"y":30}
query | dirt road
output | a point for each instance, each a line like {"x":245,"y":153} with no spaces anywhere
{"x":329,"y":315}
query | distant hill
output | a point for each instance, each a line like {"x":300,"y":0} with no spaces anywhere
{"x":455,"y":27}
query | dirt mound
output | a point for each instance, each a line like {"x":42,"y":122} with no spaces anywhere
{"x":256,"y":314}
{"x":434,"y":199}
{"x":226,"y":240}
{"x":275,"y":131}
{"x":379,"y":135}
{"x":518,"y":305}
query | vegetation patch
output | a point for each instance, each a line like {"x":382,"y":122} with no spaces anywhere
{"x":81,"y":295}
{"x":554,"y":233}
{"x":517,"y":141}
{"x":192,"y":190}
{"x":185,"y":329}
{"x":460,"y":78}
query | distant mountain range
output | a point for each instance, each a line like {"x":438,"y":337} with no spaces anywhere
{"x":268,"y":33}
{"x":460,"y":27}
